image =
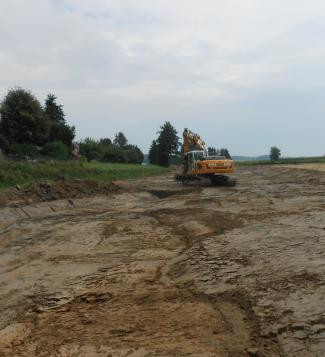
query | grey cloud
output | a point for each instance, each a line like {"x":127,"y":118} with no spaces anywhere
{"x":117,"y":67}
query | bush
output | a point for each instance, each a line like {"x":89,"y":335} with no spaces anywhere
{"x":114,"y":154}
{"x":89,"y":149}
{"x":23,"y":150}
{"x":57,"y":150}
{"x":104,"y":150}
{"x":132,"y":156}
{"x":61,"y":132}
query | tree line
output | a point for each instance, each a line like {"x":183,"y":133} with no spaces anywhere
{"x":212,"y":151}
{"x":30,"y":129}
{"x":118,"y":151}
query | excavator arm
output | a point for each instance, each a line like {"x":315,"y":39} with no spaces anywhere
{"x":192,"y":141}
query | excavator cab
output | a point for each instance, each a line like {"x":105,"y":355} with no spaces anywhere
{"x":190,"y":160}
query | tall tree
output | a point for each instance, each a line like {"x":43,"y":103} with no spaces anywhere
{"x":120,"y":140}
{"x":275,"y":153}
{"x":22,"y":118}
{"x":168,"y":144}
{"x":59,"y":129}
{"x":54,"y":111}
{"x":153,"y":153}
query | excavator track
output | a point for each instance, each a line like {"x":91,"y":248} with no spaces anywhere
{"x":222,"y":180}
{"x":216,"y":180}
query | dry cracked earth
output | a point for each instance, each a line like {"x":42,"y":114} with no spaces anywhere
{"x":161,"y":269}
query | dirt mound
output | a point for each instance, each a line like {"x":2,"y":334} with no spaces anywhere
{"x":49,"y":191}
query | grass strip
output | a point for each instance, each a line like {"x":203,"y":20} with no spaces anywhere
{"x":24,"y":173}
{"x":286,"y":161}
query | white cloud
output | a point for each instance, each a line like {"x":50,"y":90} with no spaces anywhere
{"x":180,"y":60}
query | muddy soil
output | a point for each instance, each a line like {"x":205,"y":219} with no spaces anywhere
{"x":161,"y":269}
{"x":50,"y":191}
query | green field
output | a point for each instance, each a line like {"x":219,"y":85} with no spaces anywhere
{"x":286,"y":161}
{"x":23,"y":173}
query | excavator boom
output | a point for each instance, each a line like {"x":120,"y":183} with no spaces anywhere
{"x":192,"y":142}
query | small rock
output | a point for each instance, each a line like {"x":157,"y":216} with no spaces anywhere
{"x":18,"y":187}
{"x":252,"y":352}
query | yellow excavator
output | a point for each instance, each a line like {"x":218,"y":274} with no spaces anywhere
{"x":198,"y":165}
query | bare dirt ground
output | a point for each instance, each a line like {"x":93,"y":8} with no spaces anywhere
{"x":311,"y":166}
{"x":160,"y":269}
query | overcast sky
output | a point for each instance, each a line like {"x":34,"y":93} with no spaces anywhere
{"x":244,"y":74}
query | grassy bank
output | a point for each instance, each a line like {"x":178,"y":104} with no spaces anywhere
{"x":286,"y":161}
{"x":23,"y":173}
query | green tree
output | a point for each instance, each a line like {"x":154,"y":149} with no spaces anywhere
{"x":105,"y":142}
{"x":89,"y":149}
{"x":212,"y":151}
{"x":22,"y":118}
{"x":25,"y":150}
{"x":224,"y":152}
{"x":120,"y":140}
{"x":134,"y":154}
{"x":59,"y":129}
{"x":275,"y":153}
{"x":168,"y":144}
{"x":53,"y":110}
{"x":115,"y":154}
{"x":103,"y":147}
{"x":62,"y":132}
{"x":153,"y":153}
{"x":57,"y":150}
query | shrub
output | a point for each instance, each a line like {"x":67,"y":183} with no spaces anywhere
{"x":57,"y":150}
{"x":89,"y":149}
{"x":132,"y":156}
{"x":23,"y":150}
{"x":115,"y":154}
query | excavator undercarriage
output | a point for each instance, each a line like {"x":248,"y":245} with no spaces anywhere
{"x":215,"y":180}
